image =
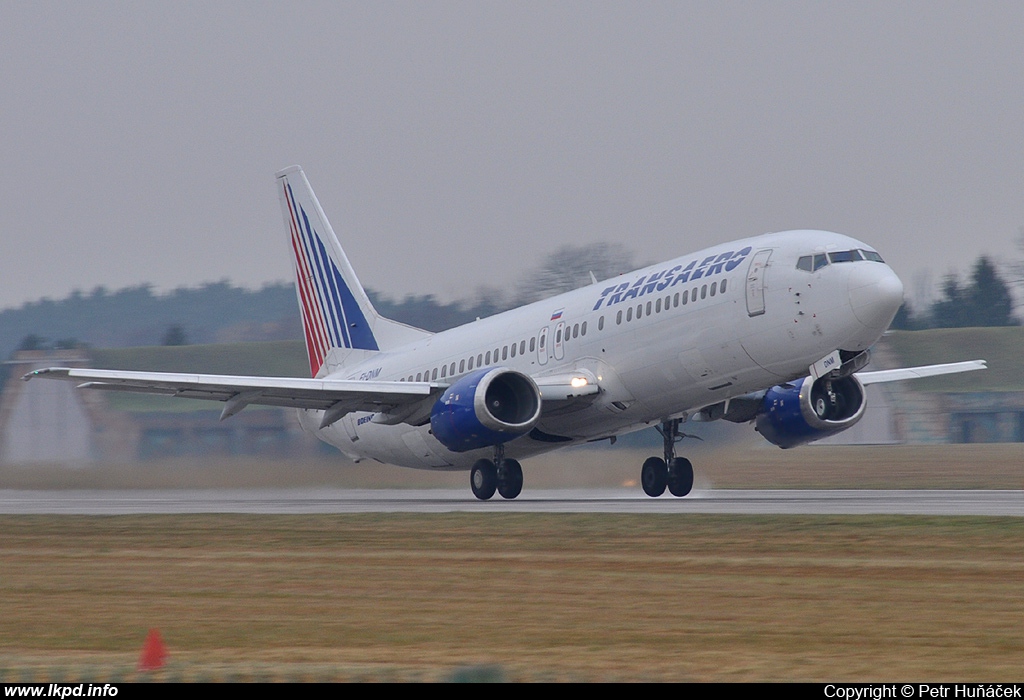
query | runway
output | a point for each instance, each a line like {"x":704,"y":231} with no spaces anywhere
{"x":309,"y":501}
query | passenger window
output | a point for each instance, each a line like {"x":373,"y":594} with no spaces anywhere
{"x":686,"y":297}
{"x":600,"y":323}
{"x":471,"y":363}
{"x":419,"y":376}
{"x":648,"y":308}
{"x":675,"y":300}
{"x":583,"y":328}
{"x":504,"y":353}
{"x":522,"y":347}
{"x":462,"y":366}
{"x":480,"y":360}
{"x":558,"y":336}
{"x":714,"y":288}
{"x":618,"y":318}
{"x":704,"y":291}
{"x":533,"y":344}
{"x":722,"y":287}
{"x":657,"y":307}
{"x":514,"y":347}
{"x":639,"y":310}
{"x":444,"y":371}
{"x":452,"y":370}
{"x":487,"y":359}
{"x":434,"y":375}
{"x":629,"y":314}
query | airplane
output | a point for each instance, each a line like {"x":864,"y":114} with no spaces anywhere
{"x":772,"y":330}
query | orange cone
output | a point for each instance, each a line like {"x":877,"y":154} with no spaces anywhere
{"x":154,"y":653}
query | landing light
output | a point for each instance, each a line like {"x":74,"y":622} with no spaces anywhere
{"x":578,"y":382}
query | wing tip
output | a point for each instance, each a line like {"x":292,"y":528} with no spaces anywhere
{"x":59,"y":372}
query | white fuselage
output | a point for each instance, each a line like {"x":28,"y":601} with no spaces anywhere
{"x":662,"y":342}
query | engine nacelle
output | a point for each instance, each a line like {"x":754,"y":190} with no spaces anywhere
{"x":804,"y":411}
{"x":485,"y":408}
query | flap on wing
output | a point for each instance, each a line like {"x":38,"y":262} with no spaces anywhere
{"x":895,"y":375}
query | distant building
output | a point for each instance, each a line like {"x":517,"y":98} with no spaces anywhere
{"x":983,"y":406}
{"x":51,"y":422}
{"x":54,"y":422}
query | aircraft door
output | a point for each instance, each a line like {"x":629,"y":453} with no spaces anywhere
{"x":755,"y":282}
{"x":542,"y":346}
{"x":559,"y":346}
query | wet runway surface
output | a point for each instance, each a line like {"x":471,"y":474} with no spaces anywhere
{"x":303,"y":501}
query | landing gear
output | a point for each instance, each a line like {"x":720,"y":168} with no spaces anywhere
{"x":483,"y":479}
{"x":503,"y":475}
{"x":827,"y":402}
{"x":510,"y":478}
{"x":654,"y":476}
{"x":674,"y":472}
{"x":680,"y":476}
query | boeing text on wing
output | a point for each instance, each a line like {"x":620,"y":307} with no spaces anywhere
{"x":772,"y":330}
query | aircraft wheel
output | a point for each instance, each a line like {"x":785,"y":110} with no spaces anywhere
{"x":510,"y":478}
{"x":680,"y":476}
{"x":654,"y":476}
{"x":483,"y":479}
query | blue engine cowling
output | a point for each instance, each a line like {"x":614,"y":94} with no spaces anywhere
{"x":485,"y":408}
{"x":801,"y":412}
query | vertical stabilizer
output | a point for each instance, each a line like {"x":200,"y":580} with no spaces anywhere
{"x":338,"y":320}
{"x":336,"y":313}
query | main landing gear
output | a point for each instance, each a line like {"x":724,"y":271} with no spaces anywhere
{"x":502,"y":475}
{"x":674,"y":472}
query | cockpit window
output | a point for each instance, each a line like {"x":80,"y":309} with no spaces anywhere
{"x":813,"y":263}
{"x":845,"y":256}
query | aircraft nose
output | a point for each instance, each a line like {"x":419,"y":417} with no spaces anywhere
{"x":876,"y":294}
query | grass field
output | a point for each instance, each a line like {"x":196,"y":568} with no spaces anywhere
{"x":524,"y":597}
{"x":527,"y":597}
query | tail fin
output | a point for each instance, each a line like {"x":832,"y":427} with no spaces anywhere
{"x":337,"y":316}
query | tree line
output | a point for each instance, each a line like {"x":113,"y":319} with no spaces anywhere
{"x":984,"y":299}
{"x":220,"y":312}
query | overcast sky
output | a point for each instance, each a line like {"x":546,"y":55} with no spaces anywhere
{"x":454,"y":144}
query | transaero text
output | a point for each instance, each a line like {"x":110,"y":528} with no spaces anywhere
{"x":663,"y":279}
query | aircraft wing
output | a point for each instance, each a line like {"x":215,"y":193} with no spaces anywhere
{"x":896,"y":375}
{"x":335,"y":395}
{"x":400,"y":401}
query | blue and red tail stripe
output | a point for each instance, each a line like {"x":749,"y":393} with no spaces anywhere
{"x":331,"y":316}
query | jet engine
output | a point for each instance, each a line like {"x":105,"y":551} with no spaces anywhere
{"x":807,"y":410}
{"x":485,"y":408}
